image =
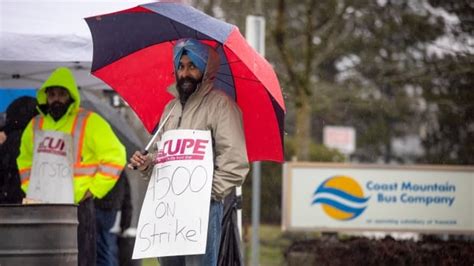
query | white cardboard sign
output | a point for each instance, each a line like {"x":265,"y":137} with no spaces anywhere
{"x":52,"y":173}
{"x":174,"y":216}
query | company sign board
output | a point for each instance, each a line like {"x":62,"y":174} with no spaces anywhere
{"x":343,"y":197}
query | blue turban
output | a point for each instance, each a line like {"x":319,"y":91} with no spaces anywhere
{"x":197,"y":52}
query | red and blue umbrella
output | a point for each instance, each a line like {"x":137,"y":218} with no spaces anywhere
{"x":133,"y":54}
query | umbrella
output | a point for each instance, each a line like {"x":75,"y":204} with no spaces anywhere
{"x":230,"y":253}
{"x":124,"y":133}
{"x":132,"y":52}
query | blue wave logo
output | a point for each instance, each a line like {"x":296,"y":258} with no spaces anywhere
{"x":341,"y":198}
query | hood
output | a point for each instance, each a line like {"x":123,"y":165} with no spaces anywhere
{"x":209,"y":75}
{"x":62,"y":77}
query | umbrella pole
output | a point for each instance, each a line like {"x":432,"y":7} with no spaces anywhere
{"x":153,"y":138}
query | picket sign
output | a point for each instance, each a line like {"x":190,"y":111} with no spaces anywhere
{"x":175,"y":212}
{"x":52,"y":173}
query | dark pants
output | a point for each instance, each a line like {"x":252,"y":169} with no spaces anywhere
{"x":86,"y":233}
{"x":107,"y":244}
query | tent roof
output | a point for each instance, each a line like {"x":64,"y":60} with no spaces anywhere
{"x":39,"y":35}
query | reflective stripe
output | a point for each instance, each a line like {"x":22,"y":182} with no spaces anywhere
{"x":37,"y":123}
{"x":85,"y":170}
{"x":76,"y":142}
{"x":113,"y":177}
{"x":75,"y":121}
{"x":25,"y":175}
{"x":112,"y":165}
{"x":78,"y":133}
{"x":91,"y":169}
{"x":110,"y":170}
{"x":82,"y":177}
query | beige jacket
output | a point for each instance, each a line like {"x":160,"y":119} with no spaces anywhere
{"x":211,"y":109}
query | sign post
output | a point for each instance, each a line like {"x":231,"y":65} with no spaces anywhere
{"x":255,"y":35}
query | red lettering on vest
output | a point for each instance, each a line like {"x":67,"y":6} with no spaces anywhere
{"x":43,"y":144}
{"x":52,"y":145}
{"x":56,"y":146}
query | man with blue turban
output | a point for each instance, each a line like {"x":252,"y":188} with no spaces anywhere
{"x":201,"y":107}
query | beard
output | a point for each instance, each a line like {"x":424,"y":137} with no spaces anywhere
{"x":186,"y":86}
{"x":58,"y":109}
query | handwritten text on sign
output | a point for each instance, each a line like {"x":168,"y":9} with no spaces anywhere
{"x":175,"y":211}
{"x":52,"y":173}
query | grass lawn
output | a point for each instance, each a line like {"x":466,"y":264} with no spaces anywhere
{"x":273,"y":243}
{"x":149,"y":262}
{"x":272,"y":246}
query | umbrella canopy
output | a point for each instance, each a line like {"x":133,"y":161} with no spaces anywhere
{"x":132,"y":52}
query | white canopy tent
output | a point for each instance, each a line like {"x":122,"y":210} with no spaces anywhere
{"x":36,"y":36}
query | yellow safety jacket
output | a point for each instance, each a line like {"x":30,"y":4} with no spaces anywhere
{"x":99,"y":157}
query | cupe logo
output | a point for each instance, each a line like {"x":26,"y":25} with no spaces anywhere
{"x":341,"y":198}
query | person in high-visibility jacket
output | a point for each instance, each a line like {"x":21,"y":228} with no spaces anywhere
{"x":98,"y":157}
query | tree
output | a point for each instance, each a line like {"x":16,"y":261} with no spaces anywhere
{"x":449,"y":116}
{"x":355,"y":56}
